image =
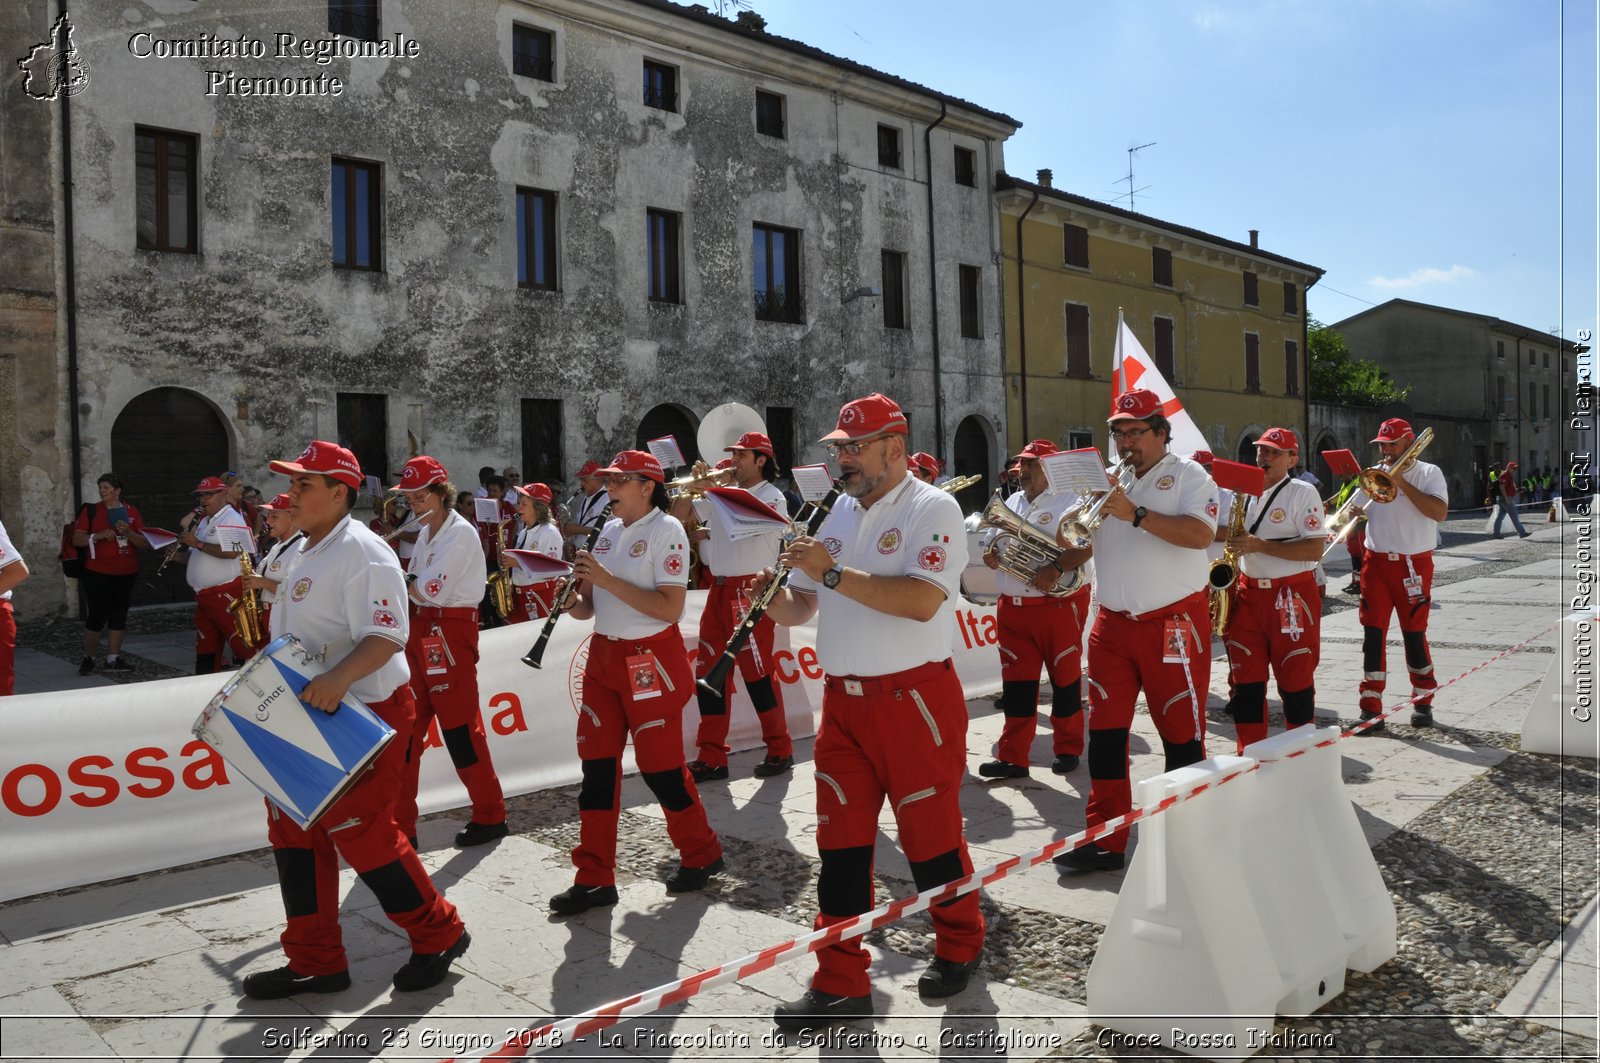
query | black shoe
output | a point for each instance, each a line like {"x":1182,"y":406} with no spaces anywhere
{"x":1525,"y":535}
{"x":999,"y":769}
{"x":1375,"y":728}
{"x":426,"y":970}
{"x":1422,"y":716}
{"x":704,"y":772}
{"x":945,"y":978}
{"x":689,"y":879}
{"x":283,"y":982}
{"x":1089,"y":857}
{"x":817,"y":1010}
{"x":1353,"y":588}
{"x":117,"y":664}
{"x":479,"y":833}
{"x":86,"y":666}
{"x":582,"y":898}
{"x":773,"y":766}
{"x":1065,"y":764}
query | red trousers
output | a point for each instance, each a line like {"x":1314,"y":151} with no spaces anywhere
{"x":452,"y":697}
{"x":214,"y":627}
{"x":1384,"y":592}
{"x":8,"y":648}
{"x":532,"y":602}
{"x":608,"y":715}
{"x":1257,"y":641}
{"x":1041,"y":633}
{"x":360,"y":827}
{"x":1126,"y":654}
{"x":902,"y":737}
{"x":717,"y":623}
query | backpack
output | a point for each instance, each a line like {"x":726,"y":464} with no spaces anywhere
{"x":71,"y":560}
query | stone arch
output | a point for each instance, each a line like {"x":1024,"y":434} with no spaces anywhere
{"x":671,"y":419}
{"x":1319,"y":465}
{"x":974,"y":454}
{"x":1246,"y":450}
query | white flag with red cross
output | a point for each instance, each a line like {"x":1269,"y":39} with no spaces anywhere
{"x":1132,"y":368}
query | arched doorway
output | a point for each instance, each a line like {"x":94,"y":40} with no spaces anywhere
{"x":670,"y":419}
{"x":163,"y":443}
{"x":1319,"y":465}
{"x":974,"y":456}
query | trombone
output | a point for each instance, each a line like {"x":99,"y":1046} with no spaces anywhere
{"x":695,"y":485}
{"x":959,"y":483}
{"x":1379,"y":482}
{"x":1077,"y":528}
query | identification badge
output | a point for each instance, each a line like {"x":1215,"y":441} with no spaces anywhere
{"x":644,"y":676}
{"x":433,"y":655}
{"x":1289,"y":623}
{"x":1413,"y":586}
{"x":1174,"y":641}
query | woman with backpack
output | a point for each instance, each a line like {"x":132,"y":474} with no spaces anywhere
{"x":108,"y":535}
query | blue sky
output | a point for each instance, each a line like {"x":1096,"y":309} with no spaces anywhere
{"x":1410,"y":148}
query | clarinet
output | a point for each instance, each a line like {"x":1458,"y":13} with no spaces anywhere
{"x":713,"y":681}
{"x":534,"y":658}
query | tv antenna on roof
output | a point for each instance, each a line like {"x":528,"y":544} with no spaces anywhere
{"x":1141,"y":147}
{"x":726,"y":7}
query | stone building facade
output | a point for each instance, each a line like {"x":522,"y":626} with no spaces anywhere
{"x":507,"y":232}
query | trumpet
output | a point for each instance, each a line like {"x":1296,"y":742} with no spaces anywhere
{"x":1022,"y":549}
{"x":1379,"y":482}
{"x":695,"y":485}
{"x":1224,"y":571}
{"x":1080,"y":523}
{"x":959,"y":483}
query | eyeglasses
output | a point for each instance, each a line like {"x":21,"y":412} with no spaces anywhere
{"x":615,"y":479}
{"x":852,"y":448}
{"x":1129,"y":433}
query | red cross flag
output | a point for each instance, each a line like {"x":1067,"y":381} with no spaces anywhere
{"x":1132,"y":368}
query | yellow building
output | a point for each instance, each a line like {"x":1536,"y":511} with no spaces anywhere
{"x":1225,"y":322}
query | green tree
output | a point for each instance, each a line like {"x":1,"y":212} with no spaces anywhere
{"x":1340,"y":378}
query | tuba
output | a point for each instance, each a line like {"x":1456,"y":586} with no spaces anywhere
{"x":500,"y":592}
{"x":1078,"y":527}
{"x":246,"y":608}
{"x":1022,"y":548}
{"x":1379,"y":481}
{"x":1225,"y":570}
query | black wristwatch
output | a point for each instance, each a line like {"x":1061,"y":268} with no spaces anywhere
{"x":1139,"y":514}
{"x":831,"y":578}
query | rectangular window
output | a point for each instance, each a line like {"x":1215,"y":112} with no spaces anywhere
{"x":1547,"y":402}
{"x":357,"y":215}
{"x":775,"y":256}
{"x":1252,"y":289}
{"x":1501,"y":400}
{"x":541,"y":441}
{"x":1078,"y":439}
{"x":1161,"y":266}
{"x":1291,"y":298}
{"x":769,"y":114}
{"x":1547,"y":359}
{"x":663,"y":242}
{"x":966,"y":167}
{"x":533,"y":53}
{"x":1533,"y":401}
{"x":780,"y":429}
{"x":1500,"y":349}
{"x":1077,"y":340}
{"x":1075,"y":245}
{"x":1252,"y":362}
{"x":363,"y":424}
{"x":1533,"y":357}
{"x":889,"y":147}
{"x":971,"y":278}
{"x":894,"y":289}
{"x":354,"y":18}
{"x":536,"y":239}
{"x":1164,"y":357}
{"x":164,"y":190}
{"x":660,"y":86}
{"x":1291,"y":367}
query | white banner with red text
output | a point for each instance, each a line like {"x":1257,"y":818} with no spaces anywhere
{"x":102,"y":783}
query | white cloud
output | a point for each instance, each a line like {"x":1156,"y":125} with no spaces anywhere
{"x":1424,"y":276}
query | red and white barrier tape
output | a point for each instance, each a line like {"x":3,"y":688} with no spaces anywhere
{"x":553,"y":1034}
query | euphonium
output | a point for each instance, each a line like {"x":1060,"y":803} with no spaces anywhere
{"x":1379,"y":481}
{"x":1022,"y":548}
{"x":500,"y":590}
{"x":246,"y":608}
{"x":1079,"y":525}
{"x":1225,"y":570}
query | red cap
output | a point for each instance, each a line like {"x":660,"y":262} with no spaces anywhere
{"x":277,"y":505}
{"x":322,"y":458}
{"x":725,"y":463}
{"x":635,"y":461}
{"x":874,"y":415}
{"x":1140,"y":404}
{"x":209,"y":486}
{"x":927,"y":462}
{"x":537,"y":492}
{"x":1391,"y":430}
{"x":1203,"y":457}
{"x":589,"y":468}
{"x":1281,"y":438}
{"x":1512,"y":465}
{"x":755,"y":441}
{"x":1039,"y":448}
{"x":419,"y":472}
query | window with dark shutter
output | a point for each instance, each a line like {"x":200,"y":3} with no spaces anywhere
{"x":1164,"y":357}
{"x":1252,"y":362}
{"x":971,"y":277}
{"x":1077,"y":340}
{"x":1075,"y":245}
{"x":1291,"y":367}
{"x":1161,"y":266}
{"x":1291,"y":298}
{"x":894,"y":289}
{"x":769,"y":114}
{"x":889,"y":147}
{"x":966,"y":167}
{"x":354,"y":18}
{"x":1252,"y":291}
{"x":533,"y":53}
{"x":542,"y":460}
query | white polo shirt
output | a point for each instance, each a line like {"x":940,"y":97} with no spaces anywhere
{"x":914,"y":530}
{"x":449,"y":566}
{"x":587,"y":513}
{"x":340,"y":591}
{"x":8,"y":555}
{"x":227,"y":529}
{"x":275,"y":565}
{"x":741,"y":557}
{"x":651,"y":552}
{"x":1137,"y":572}
{"x":1398,"y":527}
{"x":1293,"y":511}
{"x":541,"y":538}
{"x":1043,"y":513}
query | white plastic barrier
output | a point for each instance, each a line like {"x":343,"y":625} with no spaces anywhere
{"x":1243,"y":906}
{"x":101,"y":783}
{"x":1562,"y":718}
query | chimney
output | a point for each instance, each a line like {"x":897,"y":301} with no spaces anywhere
{"x":751,"y":21}
{"x":1255,"y":236}
{"x":1045,"y":177}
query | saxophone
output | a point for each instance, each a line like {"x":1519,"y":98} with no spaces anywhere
{"x":1225,"y":570}
{"x":246,"y":608}
{"x":500,"y":591}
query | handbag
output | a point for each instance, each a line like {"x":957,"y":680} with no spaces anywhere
{"x":71,"y":560}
